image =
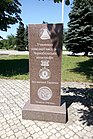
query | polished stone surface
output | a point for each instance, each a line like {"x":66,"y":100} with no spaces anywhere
{"x":44,"y":63}
{"x":44,"y":112}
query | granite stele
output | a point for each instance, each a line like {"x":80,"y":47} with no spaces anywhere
{"x":45,"y":74}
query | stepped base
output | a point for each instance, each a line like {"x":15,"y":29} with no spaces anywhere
{"x":44,"y":112}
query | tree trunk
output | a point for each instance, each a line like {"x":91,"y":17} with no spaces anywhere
{"x":86,"y":53}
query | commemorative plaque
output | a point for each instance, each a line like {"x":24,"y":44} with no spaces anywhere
{"x":45,"y":44}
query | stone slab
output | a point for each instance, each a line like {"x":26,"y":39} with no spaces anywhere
{"x":44,"y":112}
{"x":44,"y":63}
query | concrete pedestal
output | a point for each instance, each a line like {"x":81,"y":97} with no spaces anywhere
{"x":44,"y":112}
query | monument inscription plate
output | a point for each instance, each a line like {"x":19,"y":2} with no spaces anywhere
{"x":45,"y":64}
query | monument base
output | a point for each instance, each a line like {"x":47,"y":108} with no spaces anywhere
{"x":44,"y":112}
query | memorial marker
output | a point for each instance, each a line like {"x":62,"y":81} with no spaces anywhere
{"x":45,"y":74}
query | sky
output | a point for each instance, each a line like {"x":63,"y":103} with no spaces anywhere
{"x":37,"y":11}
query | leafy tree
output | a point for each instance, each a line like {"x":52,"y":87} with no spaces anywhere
{"x":11,"y":40}
{"x":4,"y":44}
{"x":20,"y":37}
{"x":67,"y":2}
{"x":9,"y":13}
{"x":79,"y":37}
{"x":1,"y":45}
{"x":8,"y":43}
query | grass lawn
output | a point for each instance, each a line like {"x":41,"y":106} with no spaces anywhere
{"x":77,"y":68}
{"x":14,"y":67}
{"x":74,"y":68}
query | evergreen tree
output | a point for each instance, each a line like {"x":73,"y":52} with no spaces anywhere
{"x":79,"y":37}
{"x":20,"y":37}
{"x":26,"y":38}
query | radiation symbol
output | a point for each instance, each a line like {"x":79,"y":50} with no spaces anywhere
{"x":44,"y":34}
{"x":44,"y":73}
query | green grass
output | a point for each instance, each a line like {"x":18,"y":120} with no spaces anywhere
{"x":14,"y":67}
{"x":74,"y":68}
{"x":77,"y":68}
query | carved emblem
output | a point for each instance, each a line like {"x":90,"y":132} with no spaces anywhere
{"x":44,"y":34}
{"x":44,"y":73}
{"x":44,"y":93}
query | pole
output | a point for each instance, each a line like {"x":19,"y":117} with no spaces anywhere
{"x":62,"y":11}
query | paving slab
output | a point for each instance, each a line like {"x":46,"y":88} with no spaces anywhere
{"x":15,"y":93}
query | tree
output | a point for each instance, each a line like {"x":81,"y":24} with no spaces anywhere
{"x":20,"y":37}
{"x":4,"y":44}
{"x":9,"y":13}
{"x":79,"y":37}
{"x":11,"y":41}
{"x":8,"y":43}
{"x":1,"y":44}
{"x":26,"y":38}
{"x":67,"y":2}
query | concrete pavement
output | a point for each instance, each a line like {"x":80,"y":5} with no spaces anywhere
{"x":15,"y":93}
{"x":15,"y":52}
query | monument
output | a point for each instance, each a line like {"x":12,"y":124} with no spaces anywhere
{"x":45,"y":43}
